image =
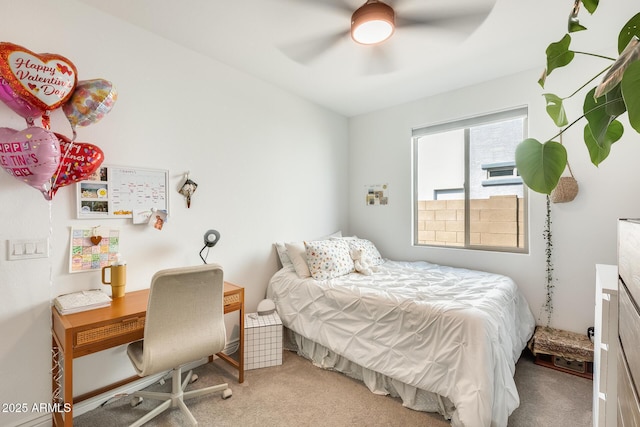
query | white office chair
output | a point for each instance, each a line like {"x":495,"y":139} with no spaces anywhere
{"x":184,"y":323}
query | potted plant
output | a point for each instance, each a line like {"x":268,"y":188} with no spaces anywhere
{"x":542,"y":164}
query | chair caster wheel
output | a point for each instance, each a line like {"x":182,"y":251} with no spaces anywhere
{"x":194,"y":378}
{"x":227,"y":393}
{"x":135,"y":401}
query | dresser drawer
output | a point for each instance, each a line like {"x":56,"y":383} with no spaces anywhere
{"x":628,"y":406}
{"x":629,"y":331}
{"x":629,"y":255}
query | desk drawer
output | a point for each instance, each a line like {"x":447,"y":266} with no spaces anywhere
{"x":106,"y":332}
{"x":231,"y":299}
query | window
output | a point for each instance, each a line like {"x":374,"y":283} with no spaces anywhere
{"x":467,"y":191}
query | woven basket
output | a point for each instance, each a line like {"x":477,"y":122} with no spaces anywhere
{"x":565,"y":191}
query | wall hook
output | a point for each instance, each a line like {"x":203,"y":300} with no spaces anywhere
{"x":187,"y":189}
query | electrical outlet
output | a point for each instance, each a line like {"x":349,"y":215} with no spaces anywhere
{"x":28,"y":249}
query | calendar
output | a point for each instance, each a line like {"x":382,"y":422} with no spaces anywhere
{"x":117,"y":191}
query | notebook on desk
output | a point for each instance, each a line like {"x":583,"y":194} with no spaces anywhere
{"x":81,"y":301}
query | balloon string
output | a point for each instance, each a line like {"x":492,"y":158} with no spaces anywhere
{"x":57,"y":355}
{"x":46,"y":120}
{"x":63,"y":157}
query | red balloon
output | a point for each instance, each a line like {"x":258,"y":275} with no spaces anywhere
{"x":78,"y":161}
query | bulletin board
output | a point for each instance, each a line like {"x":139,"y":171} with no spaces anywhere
{"x":118,"y":191}
{"x":92,"y":248}
{"x":377,"y":195}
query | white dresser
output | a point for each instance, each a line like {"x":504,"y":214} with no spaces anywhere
{"x":629,"y":323}
{"x":605,"y":347}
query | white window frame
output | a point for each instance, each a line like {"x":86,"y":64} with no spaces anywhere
{"x":466,"y":124}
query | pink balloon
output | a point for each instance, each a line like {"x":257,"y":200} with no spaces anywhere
{"x":17,"y":104}
{"x":31,"y":155}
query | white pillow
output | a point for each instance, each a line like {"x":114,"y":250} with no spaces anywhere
{"x":328,"y":258}
{"x":370,"y":253}
{"x":282,"y":254}
{"x":298,"y":256}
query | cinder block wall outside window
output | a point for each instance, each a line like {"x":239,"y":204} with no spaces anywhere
{"x":496,"y":221}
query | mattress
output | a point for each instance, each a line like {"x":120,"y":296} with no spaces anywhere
{"x":450,"y":331}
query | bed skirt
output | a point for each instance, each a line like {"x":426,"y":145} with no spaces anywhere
{"x":412,"y":397}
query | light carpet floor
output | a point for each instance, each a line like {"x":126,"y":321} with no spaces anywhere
{"x":300,"y":394}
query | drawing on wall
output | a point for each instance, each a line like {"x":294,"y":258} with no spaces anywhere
{"x":92,"y":248}
{"x":377,"y":194}
{"x":118,"y":192}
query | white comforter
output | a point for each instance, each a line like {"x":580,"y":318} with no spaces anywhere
{"x":455,"y":332}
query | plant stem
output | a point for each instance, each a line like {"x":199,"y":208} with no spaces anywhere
{"x":549,"y":285}
{"x":584,"y":85}
{"x":594,"y":54}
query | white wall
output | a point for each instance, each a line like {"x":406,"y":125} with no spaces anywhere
{"x":584,"y":231}
{"x":265,"y":161}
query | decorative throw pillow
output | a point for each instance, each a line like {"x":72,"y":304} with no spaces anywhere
{"x":283,"y":255}
{"x":370,"y":253}
{"x":328,"y":258}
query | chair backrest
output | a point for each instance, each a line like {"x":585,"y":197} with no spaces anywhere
{"x":185,"y":317}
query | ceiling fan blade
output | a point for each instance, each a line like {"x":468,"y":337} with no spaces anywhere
{"x":466,"y":21}
{"x":340,"y":5}
{"x":308,"y":50}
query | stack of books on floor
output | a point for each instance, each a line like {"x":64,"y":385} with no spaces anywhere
{"x":81,"y":301}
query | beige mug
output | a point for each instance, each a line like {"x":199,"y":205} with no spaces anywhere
{"x":117,"y":279}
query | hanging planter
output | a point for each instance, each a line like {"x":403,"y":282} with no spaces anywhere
{"x":565,"y":191}
{"x":567,"y":188}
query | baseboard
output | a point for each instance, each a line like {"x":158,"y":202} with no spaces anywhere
{"x":44,"y":420}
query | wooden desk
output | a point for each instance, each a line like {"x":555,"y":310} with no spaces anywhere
{"x":78,"y":334}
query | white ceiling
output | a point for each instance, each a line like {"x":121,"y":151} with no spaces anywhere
{"x":266,"y":38}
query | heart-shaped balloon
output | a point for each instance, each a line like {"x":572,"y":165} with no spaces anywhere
{"x":31,"y":155}
{"x":44,"y":80}
{"x":17,"y":104}
{"x":78,"y":161}
{"x":90,"y":102}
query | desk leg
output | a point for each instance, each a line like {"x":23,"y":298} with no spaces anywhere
{"x":241,"y":346}
{"x":67,"y":382}
{"x":55,"y":387}
{"x":61,"y":384}
{"x":239,"y":364}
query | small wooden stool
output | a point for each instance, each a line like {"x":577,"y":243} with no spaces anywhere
{"x":563,"y":350}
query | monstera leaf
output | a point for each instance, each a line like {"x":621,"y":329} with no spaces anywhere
{"x":558,"y":55}
{"x":599,"y":152}
{"x":555,"y":109}
{"x":630,"y":86}
{"x":541,"y":165}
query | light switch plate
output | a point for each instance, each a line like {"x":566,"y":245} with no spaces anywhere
{"x":27,"y":249}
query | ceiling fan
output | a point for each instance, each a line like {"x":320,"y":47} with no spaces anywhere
{"x":375,"y":22}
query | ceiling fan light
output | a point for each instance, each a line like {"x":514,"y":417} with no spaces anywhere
{"x":372,"y":23}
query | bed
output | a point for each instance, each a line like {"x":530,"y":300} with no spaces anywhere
{"x":443,"y":339}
